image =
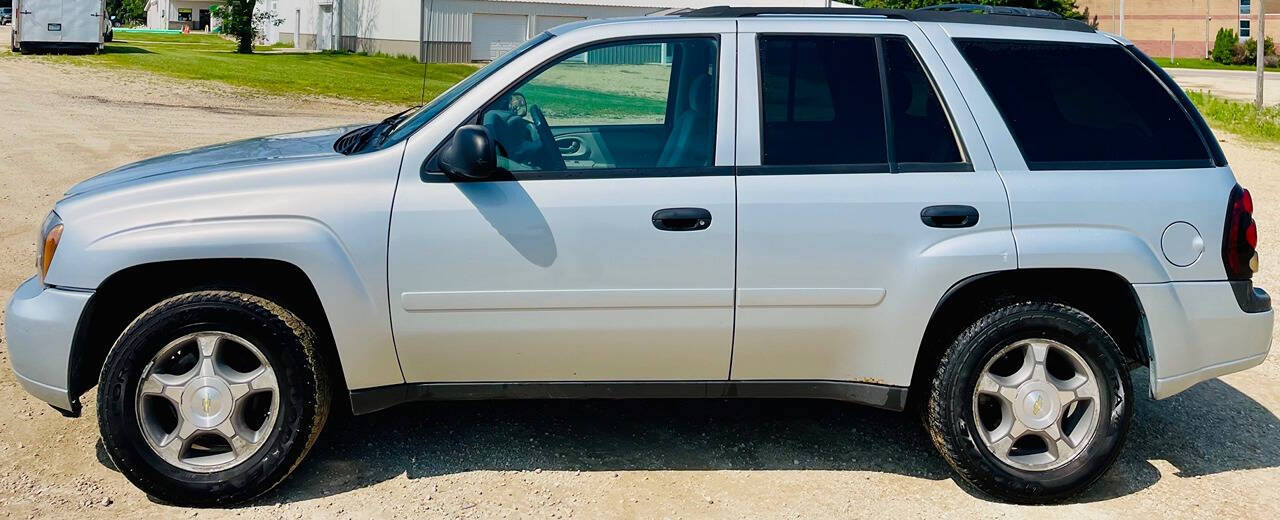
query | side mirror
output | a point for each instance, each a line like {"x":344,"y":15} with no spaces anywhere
{"x":470,"y":154}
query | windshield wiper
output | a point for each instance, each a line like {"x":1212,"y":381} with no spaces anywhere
{"x":380,"y":131}
{"x":361,"y":138}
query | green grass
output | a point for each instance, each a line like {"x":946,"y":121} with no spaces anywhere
{"x":1185,"y":63}
{"x":565,"y":94}
{"x":211,"y":57}
{"x":1238,"y":117}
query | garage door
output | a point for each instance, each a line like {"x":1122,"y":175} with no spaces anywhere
{"x":493,"y":35}
{"x":546,"y":22}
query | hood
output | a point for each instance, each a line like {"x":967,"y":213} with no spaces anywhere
{"x":210,"y":159}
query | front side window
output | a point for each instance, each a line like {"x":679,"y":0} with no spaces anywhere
{"x":627,"y":105}
{"x":1085,"y":106}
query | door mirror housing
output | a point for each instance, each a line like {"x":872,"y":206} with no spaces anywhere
{"x":469,"y":154}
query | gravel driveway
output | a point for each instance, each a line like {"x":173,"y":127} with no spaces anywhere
{"x":1212,"y":450}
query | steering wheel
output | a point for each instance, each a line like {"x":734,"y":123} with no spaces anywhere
{"x":551,"y":158}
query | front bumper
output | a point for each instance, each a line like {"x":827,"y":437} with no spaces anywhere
{"x":1198,"y":331}
{"x":40,"y":326}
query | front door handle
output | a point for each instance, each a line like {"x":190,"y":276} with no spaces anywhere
{"x":949,"y":216}
{"x":682,"y":219}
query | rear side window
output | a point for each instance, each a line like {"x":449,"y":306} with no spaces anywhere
{"x":864,"y":103}
{"x":1073,"y":106}
{"x":822,"y":101}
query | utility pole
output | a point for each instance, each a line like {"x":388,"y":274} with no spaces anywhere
{"x":1261,"y":37}
{"x":1207,"y":50}
{"x":1121,"y":18}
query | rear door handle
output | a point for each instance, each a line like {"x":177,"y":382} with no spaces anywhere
{"x":949,"y":216}
{"x":682,"y":219}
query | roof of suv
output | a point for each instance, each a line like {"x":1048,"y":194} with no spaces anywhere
{"x":1027,"y":19}
{"x":1030,"y":19}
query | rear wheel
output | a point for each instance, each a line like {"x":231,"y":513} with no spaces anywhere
{"x":212,"y":397}
{"x":1031,"y":403}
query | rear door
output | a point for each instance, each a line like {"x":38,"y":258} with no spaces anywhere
{"x":82,"y":21}
{"x":864,"y":192}
{"x":41,"y":21}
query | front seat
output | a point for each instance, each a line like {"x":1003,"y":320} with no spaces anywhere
{"x":690,"y":141}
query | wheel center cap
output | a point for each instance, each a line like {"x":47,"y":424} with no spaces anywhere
{"x":1037,"y":406}
{"x":207,"y":401}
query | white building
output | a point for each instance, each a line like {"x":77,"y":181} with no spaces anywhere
{"x":175,"y":14}
{"x":457,"y":30}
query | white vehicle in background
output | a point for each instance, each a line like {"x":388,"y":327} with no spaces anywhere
{"x":43,"y":25}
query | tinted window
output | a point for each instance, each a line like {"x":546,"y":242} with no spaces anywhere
{"x":921,"y":129}
{"x":822,"y":101}
{"x":627,"y":105}
{"x":1082,"y":106}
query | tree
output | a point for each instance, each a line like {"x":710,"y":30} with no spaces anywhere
{"x":1224,"y":45}
{"x":128,"y":11}
{"x":1066,"y":8}
{"x":241,"y":19}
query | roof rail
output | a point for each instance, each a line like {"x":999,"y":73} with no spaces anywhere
{"x":992,"y":9}
{"x":1028,"y":20}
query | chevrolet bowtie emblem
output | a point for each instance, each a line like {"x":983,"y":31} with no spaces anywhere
{"x":207,"y":403}
{"x":1035,"y":408}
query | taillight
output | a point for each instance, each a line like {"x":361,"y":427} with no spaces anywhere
{"x":1240,"y":237}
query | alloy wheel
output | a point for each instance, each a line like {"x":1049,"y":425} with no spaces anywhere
{"x":1036,"y":404}
{"x":207,"y":401}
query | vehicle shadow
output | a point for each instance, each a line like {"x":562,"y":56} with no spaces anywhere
{"x":124,"y":49}
{"x":1211,"y":428}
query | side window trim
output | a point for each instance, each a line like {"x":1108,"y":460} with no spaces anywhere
{"x":886,"y":106}
{"x":430,"y":172}
{"x":892,"y":166}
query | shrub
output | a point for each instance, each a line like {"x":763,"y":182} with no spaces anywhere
{"x":1224,"y":46}
{"x":1239,"y":55}
{"x":1251,"y":48}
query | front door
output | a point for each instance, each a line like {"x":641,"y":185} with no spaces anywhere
{"x":864,"y":192}
{"x":605,"y":249}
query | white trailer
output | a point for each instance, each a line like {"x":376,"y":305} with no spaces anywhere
{"x":41,"y":25}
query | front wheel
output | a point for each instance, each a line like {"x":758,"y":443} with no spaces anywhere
{"x":212,"y":397}
{"x":1031,"y":403}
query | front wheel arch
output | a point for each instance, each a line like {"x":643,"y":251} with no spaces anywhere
{"x":127,"y":293}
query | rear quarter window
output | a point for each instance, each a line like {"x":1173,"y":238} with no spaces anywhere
{"x":1073,"y":106}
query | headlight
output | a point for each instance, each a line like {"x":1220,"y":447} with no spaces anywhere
{"x":47,"y":243}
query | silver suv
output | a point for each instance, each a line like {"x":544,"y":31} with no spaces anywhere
{"x":987,"y":219}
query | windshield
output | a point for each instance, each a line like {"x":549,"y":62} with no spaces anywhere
{"x":411,"y":122}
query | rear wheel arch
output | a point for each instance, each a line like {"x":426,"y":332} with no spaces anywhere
{"x":127,"y":293}
{"x":1105,"y":296}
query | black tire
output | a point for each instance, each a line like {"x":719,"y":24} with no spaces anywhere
{"x":286,"y":341}
{"x":949,"y":411}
